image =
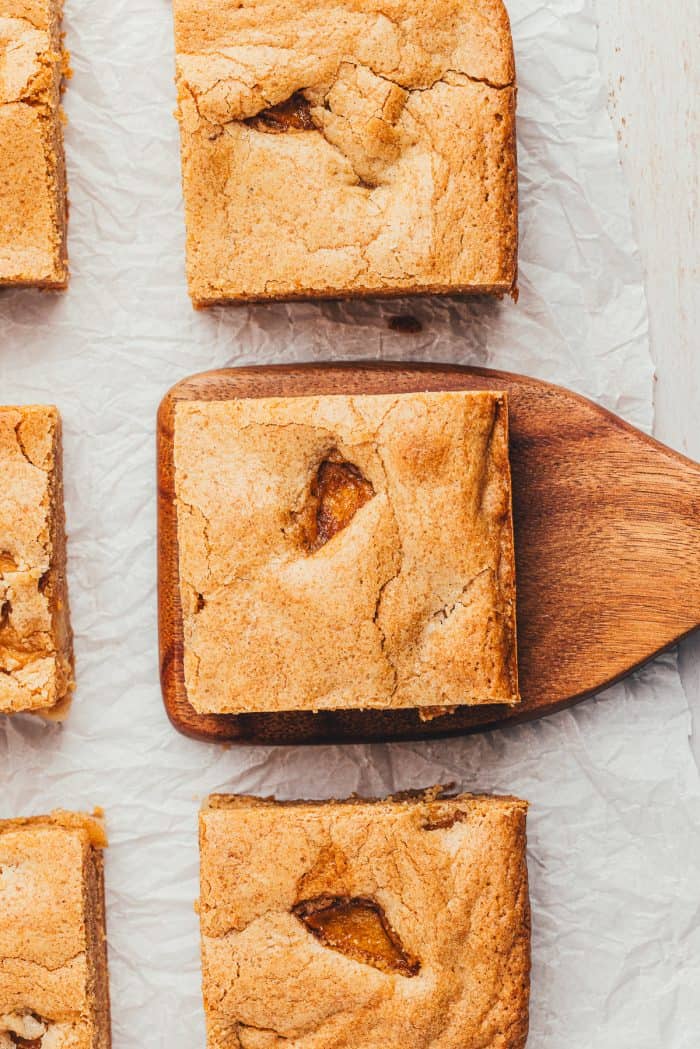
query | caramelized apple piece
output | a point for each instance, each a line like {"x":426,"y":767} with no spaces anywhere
{"x":335,"y":495}
{"x":294,"y":114}
{"x":339,"y":490}
{"x":359,"y":929}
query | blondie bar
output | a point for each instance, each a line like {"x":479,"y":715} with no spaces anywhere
{"x":346,"y":552}
{"x":36,"y":647}
{"x":331,"y":148}
{"x":33,"y":208}
{"x":401,"y":923}
{"x":54,"y":991}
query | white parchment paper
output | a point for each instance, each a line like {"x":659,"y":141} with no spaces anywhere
{"x":614,"y":826}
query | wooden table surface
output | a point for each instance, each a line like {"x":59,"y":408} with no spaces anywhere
{"x":650,"y":54}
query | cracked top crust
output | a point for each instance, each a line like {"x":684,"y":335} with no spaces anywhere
{"x":36,"y":657}
{"x":400,"y":174}
{"x":50,"y":920}
{"x":32,"y":179}
{"x":447,"y":877}
{"x":409,"y":603}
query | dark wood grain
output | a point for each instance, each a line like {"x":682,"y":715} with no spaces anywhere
{"x":607,"y":525}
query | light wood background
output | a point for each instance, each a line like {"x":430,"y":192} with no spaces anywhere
{"x":650,"y":54}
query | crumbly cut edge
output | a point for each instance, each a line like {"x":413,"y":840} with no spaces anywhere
{"x":91,"y":825}
{"x":92,"y":830}
{"x":507,"y":545}
{"x":51,"y":118}
{"x":497,"y":291}
{"x":406,"y":799}
{"x":55,"y":153}
{"x":57,"y":586}
{"x":56,"y":157}
{"x":96,"y":937}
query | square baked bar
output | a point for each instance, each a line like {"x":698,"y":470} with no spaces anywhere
{"x":32,"y":169}
{"x":346,"y":552}
{"x":335,"y":148}
{"x":401,"y":923}
{"x":54,"y":991}
{"x":36,"y":646}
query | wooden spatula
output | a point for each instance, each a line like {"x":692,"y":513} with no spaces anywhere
{"x":607,"y":526}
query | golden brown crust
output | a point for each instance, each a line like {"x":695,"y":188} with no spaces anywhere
{"x":32,"y":168}
{"x":36,"y":646}
{"x":397,"y":173}
{"x":411,"y":604}
{"x":89,"y":827}
{"x":96,"y":935}
{"x":53,"y":955}
{"x":447,"y":878}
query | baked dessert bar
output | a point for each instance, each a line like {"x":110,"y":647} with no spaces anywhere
{"x":331,"y":148}
{"x":36,"y":646}
{"x":401,"y":923}
{"x":54,"y":991}
{"x":346,"y":552}
{"x":33,"y":210}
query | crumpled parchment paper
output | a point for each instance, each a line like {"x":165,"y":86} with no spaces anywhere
{"x":614,"y":826}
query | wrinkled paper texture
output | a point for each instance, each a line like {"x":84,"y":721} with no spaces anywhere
{"x":614,"y":846}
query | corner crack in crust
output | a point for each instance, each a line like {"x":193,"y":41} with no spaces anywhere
{"x":20,"y":444}
{"x":451,"y":77}
{"x":444,"y":613}
{"x":38,"y":965}
{"x":240,"y":1026}
{"x":194,"y":511}
{"x":382,"y":635}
